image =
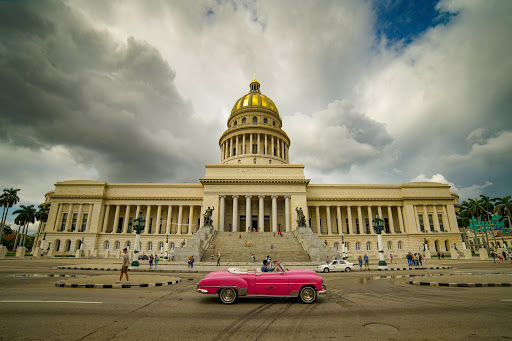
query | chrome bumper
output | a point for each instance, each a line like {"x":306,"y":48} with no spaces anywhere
{"x":322,"y":292}
{"x":202,"y":291}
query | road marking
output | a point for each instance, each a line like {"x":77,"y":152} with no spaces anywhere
{"x":35,"y":301}
{"x":507,"y":300}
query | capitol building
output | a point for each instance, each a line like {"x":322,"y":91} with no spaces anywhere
{"x":253,"y":189}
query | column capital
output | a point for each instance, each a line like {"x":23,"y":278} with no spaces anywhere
{"x":248,"y":196}
{"x":287,"y":196}
{"x":235,"y":196}
{"x":222,"y":196}
{"x":261,"y":196}
{"x":274,"y":197}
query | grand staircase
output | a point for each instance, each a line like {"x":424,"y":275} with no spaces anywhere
{"x":234,"y":249}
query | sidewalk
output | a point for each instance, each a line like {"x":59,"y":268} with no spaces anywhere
{"x":112,"y":282}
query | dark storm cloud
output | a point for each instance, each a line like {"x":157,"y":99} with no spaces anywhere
{"x":112,"y":103}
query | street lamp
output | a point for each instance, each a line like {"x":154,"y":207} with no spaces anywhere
{"x":138,"y":226}
{"x":378,"y":226}
{"x":167,"y":247}
{"x":343,"y":249}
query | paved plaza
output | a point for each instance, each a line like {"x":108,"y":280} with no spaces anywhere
{"x":360,"y":305}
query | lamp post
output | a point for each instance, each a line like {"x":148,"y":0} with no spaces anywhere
{"x":378,"y":226}
{"x":138,"y":226}
{"x":343,"y":249}
{"x":167,"y":247}
{"x":42,"y":242}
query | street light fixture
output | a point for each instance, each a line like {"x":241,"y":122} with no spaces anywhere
{"x":138,"y":226}
{"x":378,"y":226}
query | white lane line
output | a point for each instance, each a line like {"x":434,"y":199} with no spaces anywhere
{"x":35,"y":301}
{"x":507,"y":300}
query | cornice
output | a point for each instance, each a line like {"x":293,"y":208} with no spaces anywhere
{"x":255,"y":181}
{"x":125,"y":198}
{"x":378,"y":199}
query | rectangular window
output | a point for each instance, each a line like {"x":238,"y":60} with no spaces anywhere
{"x":431,"y":222}
{"x":275,"y":152}
{"x":64,"y":220}
{"x":420,"y":218}
{"x":85,"y":216}
{"x":150,"y":224}
{"x":337,"y":228}
{"x":234,"y":151}
{"x":346,"y":223}
{"x":367,"y":222}
{"x":386,"y":225}
{"x":130,"y":225}
{"x":73,"y":222}
{"x":441,"y":226}
{"x":254,"y":148}
{"x":357,"y":226}
{"x":120,"y":225}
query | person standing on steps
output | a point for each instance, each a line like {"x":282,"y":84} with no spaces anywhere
{"x":218,"y":259}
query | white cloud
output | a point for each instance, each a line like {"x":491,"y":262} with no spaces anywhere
{"x":464,"y":193}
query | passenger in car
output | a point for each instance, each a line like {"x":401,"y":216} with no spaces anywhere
{"x":265,"y":268}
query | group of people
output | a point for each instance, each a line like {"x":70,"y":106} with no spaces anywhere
{"x":364,"y":260}
{"x":415,"y":259}
{"x":501,"y":256}
{"x":191,"y":262}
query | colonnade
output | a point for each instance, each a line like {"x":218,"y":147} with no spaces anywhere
{"x":248,"y":213}
{"x":254,"y":143}
{"x":155,"y":226}
{"x":431,"y":221}
{"x":70,"y":221}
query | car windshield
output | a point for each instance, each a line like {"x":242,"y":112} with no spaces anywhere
{"x":280,"y":267}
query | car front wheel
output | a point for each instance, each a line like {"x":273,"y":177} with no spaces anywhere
{"x":326,"y":270}
{"x":307,"y":295}
{"x":348,"y":269}
{"x":228,"y":295}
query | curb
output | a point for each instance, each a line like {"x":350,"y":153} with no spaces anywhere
{"x":418,"y":268}
{"x":115,"y":286}
{"x":132,"y":270}
{"x":460,"y":285}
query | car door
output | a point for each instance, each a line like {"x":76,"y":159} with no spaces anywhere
{"x":272,"y":283}
{"x":334,"y":266}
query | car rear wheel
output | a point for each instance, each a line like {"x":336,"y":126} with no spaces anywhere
{"x":348,"y":269}
{"x":307,"y":295}
{"x":326,"y":269}
{"x":228,"y":295}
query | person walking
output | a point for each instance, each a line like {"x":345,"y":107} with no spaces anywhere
{"x":151,"y":261}
{"x":156,"y":261}
{"x":218,"y":259}
{"x":124,"y":267}
{"x":360,"y":263}
{"x":191,"y":262}
{"x":366,"y":263}
{"x":390,"y":258}
{"x":253,"y":258}
{"x":271,"y":246}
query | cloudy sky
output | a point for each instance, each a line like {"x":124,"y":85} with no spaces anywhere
{"x":369,"y":91}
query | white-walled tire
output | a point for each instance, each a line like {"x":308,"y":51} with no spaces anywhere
{"x":326,"y":270}
{"x":348,"y":269}
{"x":307,"y":295}
{"x":228,"y":295}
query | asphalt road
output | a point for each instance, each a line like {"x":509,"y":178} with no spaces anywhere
{"x":358,"y":306}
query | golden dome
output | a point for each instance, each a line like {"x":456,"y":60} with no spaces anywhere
{"x":254,"y":100}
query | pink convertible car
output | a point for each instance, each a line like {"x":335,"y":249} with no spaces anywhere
{"x":234,"y":282}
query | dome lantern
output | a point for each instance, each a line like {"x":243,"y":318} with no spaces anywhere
{"x":255,"y":85}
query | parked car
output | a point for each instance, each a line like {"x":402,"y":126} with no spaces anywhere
{"x":234,"y":282}
{"x":336,"y":265}
{"x":143,"y":257}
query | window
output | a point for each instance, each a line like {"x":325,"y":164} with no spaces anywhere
{"x":390,"y":246}
{"x":367,"y":223}
{"x":358,"y":246}
{"x":441,"y":226}
{"x":400,"y":245}
{"x":244,"y":120}
{"x":117,"y":245}
{"x":274,"y":123}
{"x":130,"y":225}
{"x":347,"y":247}
{"x":84,"y":221}
{"x":431,"y":222}
{"x":357,"y":226}
{"x":107,"y":245}
{"x":73,"y":222}
{"x":336,"y":246}
{"x":368,"y":246}
{"x":265,"y":121}
{"x":420,"y":218}
{"x":64,"y":220}
{"x":346,"y":223}
{"x":120,"y":225}
{"x":386,"y":225}
{"x":150,"y":246}
{"x":254,"y":119}
{"x":254,"y":148}
{"x":161,"y":246}
{"x":269,"y":162}
{"x":150,"y":225}
{"x":236,"y":123}
{"x":275,"y":152}
{"x":234,"y":151}
{"x":254,"y":161}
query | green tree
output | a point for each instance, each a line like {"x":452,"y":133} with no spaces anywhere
{"x":503,"y":207}
{"x":476,"y":210}
{"x":42,"y":215}
{"x":8,"y":198}
{"x":26,"y":216}
{"x":489,"y":208}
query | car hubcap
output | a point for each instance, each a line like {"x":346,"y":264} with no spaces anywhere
{"x":227,"y":295}
{"x":308,"y":294}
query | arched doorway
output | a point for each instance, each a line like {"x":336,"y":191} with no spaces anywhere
{"x":56,"y":245}
{"x":447,"y":245}
{"x":436,"y":245}
{"x":78,"y":242}
{"x":67,"y":245}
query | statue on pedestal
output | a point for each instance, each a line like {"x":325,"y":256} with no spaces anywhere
{"x":301,"y":219}
{"x":207,"y":221}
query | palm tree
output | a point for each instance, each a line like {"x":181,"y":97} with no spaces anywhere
{"x":42,"y":215}
{"x":503,"y":207}
{"x":476,"y":210}
{"x":489,"y":207}
{"x":8,"y":198}
{"x":26,"y":216}
{"x":463,"y":221}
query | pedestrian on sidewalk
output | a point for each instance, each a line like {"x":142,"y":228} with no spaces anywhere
{"x":366,"y":262}
{"x":151,"y":261}
{"x":360,"y":263}
{"x":124,"y":267}
{"x":252,"y":257}
{"x":156,"y":261}
{"x":191,"y":262}
{"x":275,"y":250}
{"x":218,"y":259}
{"x":390,"y":258}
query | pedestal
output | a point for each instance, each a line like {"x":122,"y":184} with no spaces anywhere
{"x":382,"y":262}
{"x":37,"y":252}
{"x":107,"y":254}
{"x":3,"y":251}
{"x":78,"y":253}
{"x":453,"y":253}
{"x":483,"y":253}
{"x":466,"y":254}
{"x":20,"y":252}
{"x":51,"y":252}
{"x":136,"y":248}
{"x":428,"y":255}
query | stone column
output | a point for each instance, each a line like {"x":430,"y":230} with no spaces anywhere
{"x":278,"y":147}
{"x":318,"y":222}
{"x":190,"y":219}
{"x":250,"y":147}
{"x":105,"y":219}
{"x":148,"y":217}
{"x":116,"y":219}
{"x":370,"y":217}
{"x":349,"y":216}
{"x":416,"y":218}
{"x":261,"y":216}
{"x":272,"y":146}
{"x":168,"y":222}
{"x":287,"y":213}
{"x":425,"y":218}
{"x":237,"y":147}
{"x":248,"y":217}
{"x":266,"y":146}
{"x":435,"y":218}
{"x":126,"y":219}
{"x":340,"y":222}
{"x":180,"y":218}
{"x":158,"y":217}
{"x":362,"y":225}
{"x":329,"y":226}
{"x":58,"y":221}
{"x":79,"y":221}
{"x":274,"y":213}
{"x":222,"y":212}
{"x":89,"y":217}
{"x":390,"y":219}
{"x":235,"y":214}
{"x":244,"y":148}
{"x":259,"y":147}
{"x":400,"y":219}
{"x":68,"y":222}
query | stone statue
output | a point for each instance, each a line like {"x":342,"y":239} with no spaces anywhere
{"x":208,"y":217}
{"x":301,"y":219}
